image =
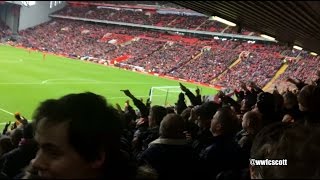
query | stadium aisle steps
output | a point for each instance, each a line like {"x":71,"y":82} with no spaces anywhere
{"x":172,"y":21}
{"x":201,"y":25}
{"x":281,"y":70}
{"x":231,"y":66}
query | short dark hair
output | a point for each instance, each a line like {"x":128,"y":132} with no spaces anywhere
{"x":94,"y":125}
{"x":297,"y":143}
{"x":158,"y":113}
{"x":309,"y":98}
{"x":207,"y":110}
{"x":266,"y":103}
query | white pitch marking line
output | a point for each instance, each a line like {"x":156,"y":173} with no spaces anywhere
{"x":3,"y":110}
{"x":52,"y":80}
{"x":6,"y":111}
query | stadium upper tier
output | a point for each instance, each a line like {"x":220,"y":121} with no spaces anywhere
{"x":196,"y":59}
{"x":199,"y":23}
{"x":165,"y":4}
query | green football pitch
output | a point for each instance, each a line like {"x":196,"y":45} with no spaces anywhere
{"x":26,"y":80}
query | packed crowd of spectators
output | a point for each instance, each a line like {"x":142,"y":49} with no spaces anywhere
{"x":200,"y":23}
{"x":159,"y":52}
{"x":259,"y":65}
{"x":171,"y":56}
{"x":69,"y":137}
{"x":76,"y":38}
{"x":207,"y":67}
{"x":259,"y":68}
{"x":82,"y":136}
{"x":163,"y":4}
{"x":304,"y":69}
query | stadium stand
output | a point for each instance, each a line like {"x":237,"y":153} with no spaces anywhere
{"x":140,"y":17}
{"x":83,"y":136}
{"x":158,"y":52}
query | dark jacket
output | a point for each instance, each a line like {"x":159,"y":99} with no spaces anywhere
{"x":202,"y":140}
{"x":144,"y":138}
{"x":13,"y":162}
{"x":223,"y":154}
{"x":171,"y":158}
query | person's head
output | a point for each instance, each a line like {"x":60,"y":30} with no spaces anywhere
{"x":78,"y":137}
{"x":186,"y":114}
{"x":205,"y":113}
{"x":170,"y":110}
{"x":172,"y":127}
{"x":224,"y":122}
{"x":309,"y":99}
{"x":16,"y":136}
{"x":294,"y":142}
{"x":245,"y":105}
{"x":252,"y":122}
{"x":290,"y":100}
{"x":279,"y":101}
{"x":5,"y":145}
{"x":266,"y":103}
{"x":156,"y":115}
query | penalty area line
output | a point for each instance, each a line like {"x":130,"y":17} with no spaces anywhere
{"x":3,"y":110}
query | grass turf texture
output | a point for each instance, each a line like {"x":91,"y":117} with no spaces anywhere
{"x":26,"y":80}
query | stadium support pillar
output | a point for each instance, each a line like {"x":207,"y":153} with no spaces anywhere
{"x":239,"y":29}
{"x":15,"y":10}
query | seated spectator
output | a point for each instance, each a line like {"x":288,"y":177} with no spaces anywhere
{"x":267,"y":107}
{"x":296,"y":143}
{"x":78,"y":137}
{"x":170,"y":155}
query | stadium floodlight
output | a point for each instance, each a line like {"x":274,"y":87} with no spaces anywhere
{"x":216,"y":18}
{"x":268,"y":37}
{"x":313,"y":54}
{"x":297,"y":47}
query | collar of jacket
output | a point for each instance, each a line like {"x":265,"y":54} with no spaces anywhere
{"x":169,"y":141}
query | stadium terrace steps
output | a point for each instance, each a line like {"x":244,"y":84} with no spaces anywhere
{"x":237,"y":61}
{"x":281,"y":70}
{"x":172,"y":21}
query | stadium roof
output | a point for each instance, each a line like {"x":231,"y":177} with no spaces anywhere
{"x":292,"y":22}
